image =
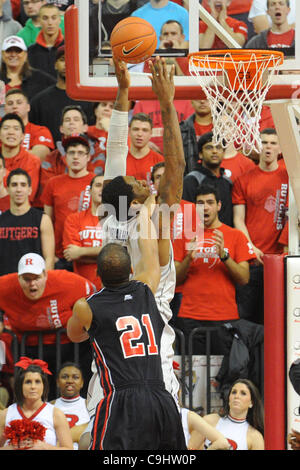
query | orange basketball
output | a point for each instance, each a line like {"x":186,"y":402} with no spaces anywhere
{"x":133,"y":40}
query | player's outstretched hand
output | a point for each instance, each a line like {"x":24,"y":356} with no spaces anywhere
{"x":162,"y":80}
{"x":122,"y":73}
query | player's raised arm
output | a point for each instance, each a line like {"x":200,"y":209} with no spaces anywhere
{"x":117,"y":149}
{"x":170,"y":189}
{"x":148,"y":268}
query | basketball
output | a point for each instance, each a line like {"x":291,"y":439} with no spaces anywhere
{"x":133,"y":40}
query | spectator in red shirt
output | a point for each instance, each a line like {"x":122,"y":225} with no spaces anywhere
{"x":260,"y":200}
{"x":69,"y":192}
{"x":4,"y":196}
{"x":237,"y":29}
{"x":37,"y":139}
{"x":235,"y":163}
{"x":151,"y":107}
{"x":281,"y":34}
{"x":82,"y":237}
{"x":219,"y":258}
{"x":102,"y":111}
{"x":197,"y":124}
{"x":73,"y":121}
{"x":44,"y":302}
{"x":141,"y":158}
{"x":11,"y":136}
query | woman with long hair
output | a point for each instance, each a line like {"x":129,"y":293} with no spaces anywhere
{"x":242,"y":420}
{"x":16,"y":71}
{"x":31,"y":422}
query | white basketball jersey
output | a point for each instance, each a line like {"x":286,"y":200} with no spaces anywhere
{"x":127,"y":234}
{"x":44,"y":416}
{"x":235,"y":431}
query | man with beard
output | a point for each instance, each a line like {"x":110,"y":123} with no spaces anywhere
{"x":210,"y":171}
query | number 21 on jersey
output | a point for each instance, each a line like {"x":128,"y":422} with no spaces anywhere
{"x":134,"y":332}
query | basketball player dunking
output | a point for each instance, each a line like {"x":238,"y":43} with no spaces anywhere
{"x":123,"y":228}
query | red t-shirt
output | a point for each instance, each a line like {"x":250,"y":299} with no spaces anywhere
{"x":184,"y":224}
{"x":66,"y":195}
{"x":236,"y":26}
{"x":265,"y":195}
{"x":37,"y":135}
{"x":184,"y":110}
{"x":284,"y":237}
{"x":278,"y":41}
{"x":28,"y":162}
{"x":237,"y":166}
{"x":266,"y":119}
{"x":51,"y":311}
{"x":98,"y":134}
{"x":55,"y":163}
{"x":83,"y":229}
{"x":4,"y":203}
{"x":200,"y":129}
{"x":141,"y":168}
{"x":208,"y":291}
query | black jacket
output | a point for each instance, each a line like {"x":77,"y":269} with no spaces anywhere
{"x":47,"y":106}
{"x":43,"y":58}
{"x":243,"y":340}
{"x":189,"y":141}
{"x":224,"y":185}
{"x":35,"y":82}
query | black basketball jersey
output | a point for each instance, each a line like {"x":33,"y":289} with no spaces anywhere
{"x":19,"y":234}
{"x":126,"y":334}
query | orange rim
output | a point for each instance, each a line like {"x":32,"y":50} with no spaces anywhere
{"x":227,"y":57}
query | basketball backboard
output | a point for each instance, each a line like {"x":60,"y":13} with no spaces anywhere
{"x":90,"y":75}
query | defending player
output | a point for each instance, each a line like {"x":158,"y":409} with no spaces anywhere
{"x":125,"y":328}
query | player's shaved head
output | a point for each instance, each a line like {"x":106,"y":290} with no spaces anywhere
{"x":114,"y":265}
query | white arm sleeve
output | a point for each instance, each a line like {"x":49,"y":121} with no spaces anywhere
{"x":116,"y":148}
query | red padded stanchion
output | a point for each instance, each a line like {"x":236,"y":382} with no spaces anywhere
{"x":274,"y":353}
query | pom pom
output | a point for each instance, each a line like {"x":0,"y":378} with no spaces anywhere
{"x":20,"y":429}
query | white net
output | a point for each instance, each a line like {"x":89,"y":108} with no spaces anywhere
{"x":236,"y":90}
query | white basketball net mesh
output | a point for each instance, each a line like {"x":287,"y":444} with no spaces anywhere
{"x":236,"y":104}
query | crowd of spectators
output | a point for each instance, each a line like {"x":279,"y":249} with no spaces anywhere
{"x":52,"y":162}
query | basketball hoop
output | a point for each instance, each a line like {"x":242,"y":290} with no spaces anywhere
{"x":236,"y":82}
